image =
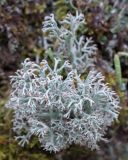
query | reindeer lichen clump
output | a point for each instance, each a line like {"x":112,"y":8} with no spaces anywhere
{"x":60,"y":110}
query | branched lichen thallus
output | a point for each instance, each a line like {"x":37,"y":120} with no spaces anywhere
{"x":60,"y":110}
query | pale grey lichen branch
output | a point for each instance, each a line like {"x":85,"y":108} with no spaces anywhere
{"x":67,"y":44}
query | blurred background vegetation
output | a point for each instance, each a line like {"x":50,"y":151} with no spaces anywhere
{"x":21,"y":36}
